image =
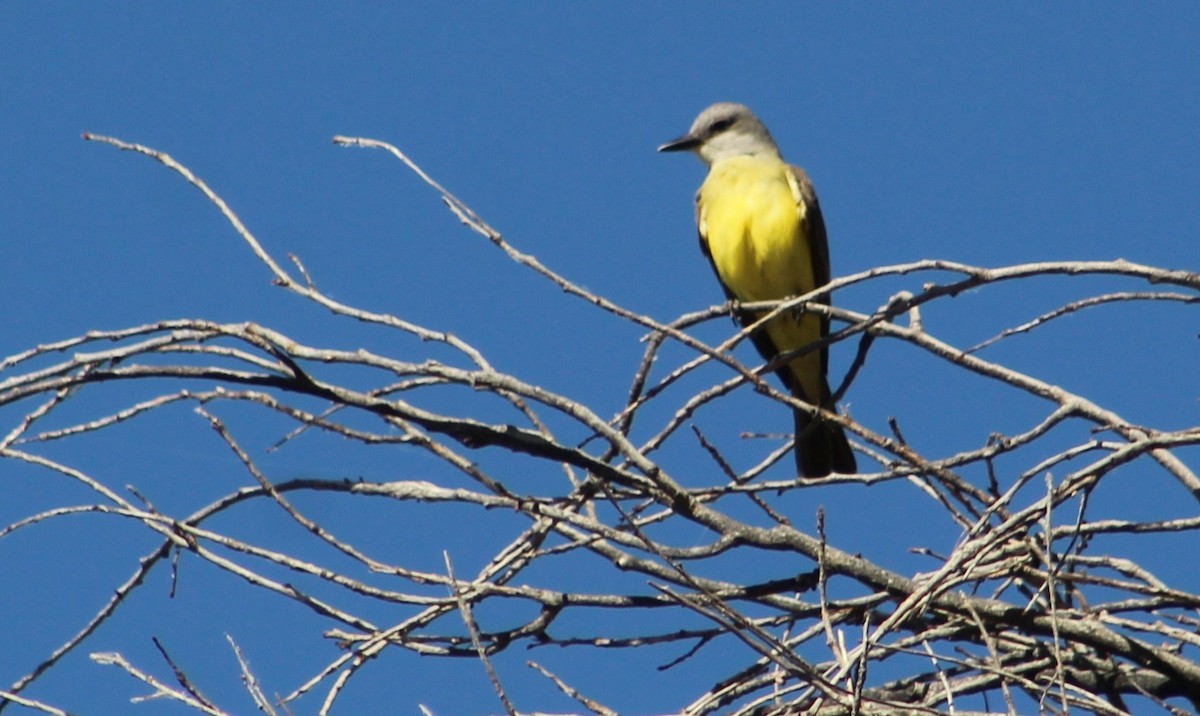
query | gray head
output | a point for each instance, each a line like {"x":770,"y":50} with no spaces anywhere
{"x":726,"y":129}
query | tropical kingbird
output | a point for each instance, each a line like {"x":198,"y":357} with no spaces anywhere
{"x":761,"y":228}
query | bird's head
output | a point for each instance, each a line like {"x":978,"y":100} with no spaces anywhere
{"x":725,"y":130}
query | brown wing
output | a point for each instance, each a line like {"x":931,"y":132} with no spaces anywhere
{"x":818,"y":240}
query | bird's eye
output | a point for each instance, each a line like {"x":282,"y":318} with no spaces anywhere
{"x":721,"y":125}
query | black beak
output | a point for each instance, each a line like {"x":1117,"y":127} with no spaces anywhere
{"x":685,"y":143}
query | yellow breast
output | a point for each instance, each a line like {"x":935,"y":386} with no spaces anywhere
{"x":753,"y":218}
{"x":754,"y":221}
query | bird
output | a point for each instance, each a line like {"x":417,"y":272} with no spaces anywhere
{"x":761,"y":229}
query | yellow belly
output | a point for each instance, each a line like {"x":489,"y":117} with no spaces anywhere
{"x":757,"y":233}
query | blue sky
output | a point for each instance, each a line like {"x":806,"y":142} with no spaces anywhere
{"x":989,"y":134}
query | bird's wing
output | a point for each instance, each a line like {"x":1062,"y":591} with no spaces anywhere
{"x":817,"y":238}
{"x":818,"y":242}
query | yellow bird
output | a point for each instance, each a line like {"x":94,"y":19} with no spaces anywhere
{"x":761,"y":228}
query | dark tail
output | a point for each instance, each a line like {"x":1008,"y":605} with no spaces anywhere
{"x":822,"y":447}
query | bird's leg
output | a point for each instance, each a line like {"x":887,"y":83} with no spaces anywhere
{"x":799,"y":310}
{"x":734,"y":307}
